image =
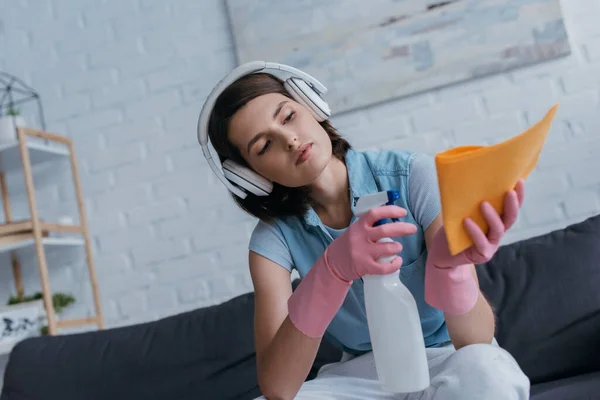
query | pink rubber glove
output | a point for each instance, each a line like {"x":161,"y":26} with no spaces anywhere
{"x":353,"y":254}
{"x":449,"y":283}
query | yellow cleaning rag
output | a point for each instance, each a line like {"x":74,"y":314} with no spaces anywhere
{"x":469,"y":175}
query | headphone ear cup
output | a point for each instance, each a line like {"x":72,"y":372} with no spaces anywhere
{"x":305,"y":95}
{"x":247,"y":179}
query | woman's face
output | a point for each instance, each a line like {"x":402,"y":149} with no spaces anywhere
{"x":281,"y":140}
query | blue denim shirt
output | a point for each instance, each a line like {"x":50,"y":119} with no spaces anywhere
{"x":297,"y":242}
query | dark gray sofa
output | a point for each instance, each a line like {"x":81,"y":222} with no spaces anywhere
{"x":545,"y":290}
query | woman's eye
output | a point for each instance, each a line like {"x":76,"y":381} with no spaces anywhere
{"x":264,"y":148}
{"x":289,"y":117}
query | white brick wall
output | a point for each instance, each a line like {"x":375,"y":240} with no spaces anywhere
{"x":126,"y":80}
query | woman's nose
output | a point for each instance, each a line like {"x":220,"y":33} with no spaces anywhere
{"x":292,"y":143}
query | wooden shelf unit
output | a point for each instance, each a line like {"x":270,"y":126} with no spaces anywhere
{"x":34,"y":231}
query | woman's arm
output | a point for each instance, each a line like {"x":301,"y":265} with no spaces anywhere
{"x":477,"y":325}
{"x":284,"y":355}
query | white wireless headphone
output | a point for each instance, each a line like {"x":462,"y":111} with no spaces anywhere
{"x":303,"y":88}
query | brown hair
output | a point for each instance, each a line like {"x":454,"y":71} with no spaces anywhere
{"x":283,"y":201}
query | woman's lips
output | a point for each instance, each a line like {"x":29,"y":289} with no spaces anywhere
{"x":304,"y":153}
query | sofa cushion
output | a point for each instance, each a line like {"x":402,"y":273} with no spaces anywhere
{"x":190,"y":355}
{"x":581,"y":387}
{"x":207,"y":353}
{"x":546,"y":295}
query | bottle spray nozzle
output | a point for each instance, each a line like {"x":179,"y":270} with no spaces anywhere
{"x":365,"y":203}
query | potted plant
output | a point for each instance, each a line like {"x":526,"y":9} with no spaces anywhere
{"x":25,"y":317}
{"x":8,"y":124}
{"x":19,"y":321}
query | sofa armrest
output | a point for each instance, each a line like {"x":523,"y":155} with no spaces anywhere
{"x":545,"y":294}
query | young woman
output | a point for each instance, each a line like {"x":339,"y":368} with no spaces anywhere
{"x":306,"y":222}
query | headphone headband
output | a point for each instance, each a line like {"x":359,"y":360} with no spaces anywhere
{"x":240,"y":71}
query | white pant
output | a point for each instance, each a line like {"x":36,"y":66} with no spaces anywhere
{"x":478,"y":371}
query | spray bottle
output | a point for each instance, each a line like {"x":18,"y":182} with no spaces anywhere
{"x":393,"y":319}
